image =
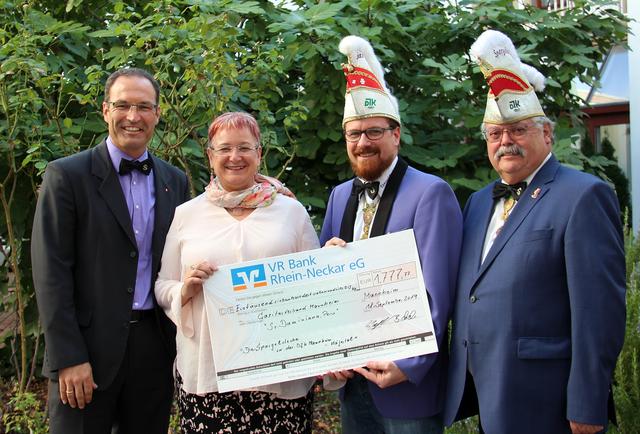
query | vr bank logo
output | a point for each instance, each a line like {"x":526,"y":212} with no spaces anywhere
{"x":249,"y":277}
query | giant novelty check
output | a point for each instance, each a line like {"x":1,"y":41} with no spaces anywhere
{"x":305,"y":314}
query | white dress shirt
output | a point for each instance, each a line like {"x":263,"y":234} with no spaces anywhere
{"x":365,"y":199}
{"x":496,"y":223}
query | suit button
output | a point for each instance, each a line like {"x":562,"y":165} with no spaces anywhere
{"x":133,"y":253}
{"x":464,"y":343}
{"x":473,"y":299}
{"x":129,"y":290}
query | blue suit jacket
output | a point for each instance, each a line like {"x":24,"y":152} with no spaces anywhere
{"x":427,"y":204}
{"x":541,"y":321}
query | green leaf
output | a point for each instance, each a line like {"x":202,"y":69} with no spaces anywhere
{"x":449,"y":85}
{"x":322,"y":11}
{"x":433,"y":64}
{"x":245,"y":7}
{"x":471,"y":184}
{"x":107,"y":33}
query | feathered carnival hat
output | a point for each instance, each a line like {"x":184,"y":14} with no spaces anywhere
{"x":367,"y":94}
{"x":512,"y":84}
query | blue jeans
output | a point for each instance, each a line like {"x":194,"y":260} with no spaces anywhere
{"x":360,"y":416}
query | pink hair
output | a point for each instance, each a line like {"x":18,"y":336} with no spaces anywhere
{"x":234,"y":120}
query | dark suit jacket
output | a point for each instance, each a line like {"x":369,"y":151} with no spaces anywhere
{"x":85,"y":257}
{"x":541,"y":321}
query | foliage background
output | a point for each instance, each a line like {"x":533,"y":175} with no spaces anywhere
{"x":279,"y":62}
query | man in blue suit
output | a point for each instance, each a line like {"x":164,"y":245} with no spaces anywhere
{"x":539,"y":315}
{"x":403,"y":396}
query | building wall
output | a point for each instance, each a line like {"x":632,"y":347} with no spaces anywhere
{"x":618,"y":136}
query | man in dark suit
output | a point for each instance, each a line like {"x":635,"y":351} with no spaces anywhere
{"x":401,"y":396}
{"x":539,"y":315}
{"x":98,"y":234}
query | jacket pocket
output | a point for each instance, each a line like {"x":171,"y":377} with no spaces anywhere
{"x":540,"y":234}
{"x":544,"y":348}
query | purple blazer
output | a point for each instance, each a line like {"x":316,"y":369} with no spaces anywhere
{"x":427,"y":204}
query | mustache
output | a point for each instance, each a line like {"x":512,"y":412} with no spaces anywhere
{"x":509,"y":150}
{"x":366,"y":150}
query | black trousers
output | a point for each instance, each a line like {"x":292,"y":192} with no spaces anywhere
{"x":469,"y":404}
{"x":138,"y":400}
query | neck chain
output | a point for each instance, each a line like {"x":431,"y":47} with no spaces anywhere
{"x":509,"y":203}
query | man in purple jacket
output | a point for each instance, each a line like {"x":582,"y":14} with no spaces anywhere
{"x":403,"y":396}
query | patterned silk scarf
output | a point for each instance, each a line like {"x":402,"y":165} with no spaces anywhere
{"x":259,"y":195}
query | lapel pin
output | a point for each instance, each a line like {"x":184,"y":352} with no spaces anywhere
{"x":166,"y":189}
{"x":535,"y":193}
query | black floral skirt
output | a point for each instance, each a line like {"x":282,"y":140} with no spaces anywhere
{"x":243,"y":412}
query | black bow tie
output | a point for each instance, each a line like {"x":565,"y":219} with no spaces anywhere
{"x":501,"y":190}
{"x":371,"y":188}
{"x":128,"y":166}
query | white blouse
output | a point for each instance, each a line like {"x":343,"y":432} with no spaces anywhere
{"x":202,"y":231}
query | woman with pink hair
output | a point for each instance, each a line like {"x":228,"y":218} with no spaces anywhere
{"x":241,"y":216}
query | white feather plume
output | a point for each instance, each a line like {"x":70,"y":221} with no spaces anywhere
{"x":535,"y":77}
{"x":492,"y":39}
{"x":354,"y":47}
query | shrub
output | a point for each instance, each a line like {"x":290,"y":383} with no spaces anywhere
{"x":24,"y":414}
{"x":626,"y":389}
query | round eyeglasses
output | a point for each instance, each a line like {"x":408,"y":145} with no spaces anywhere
{"x":374,"y":133}
{"x":494,"y":135}
{"x":228,"y":150}
{"x":124,"y":107}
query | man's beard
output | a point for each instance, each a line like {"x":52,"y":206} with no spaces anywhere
{"x":372,"y":168}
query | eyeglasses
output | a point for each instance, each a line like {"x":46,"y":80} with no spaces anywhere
{"x":228,"y":150}
{"x":515,"y":131}
{"x":374,"y":133}
{"x":122,"y":106}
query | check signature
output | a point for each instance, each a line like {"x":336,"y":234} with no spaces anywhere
{"x":391,"y":319}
